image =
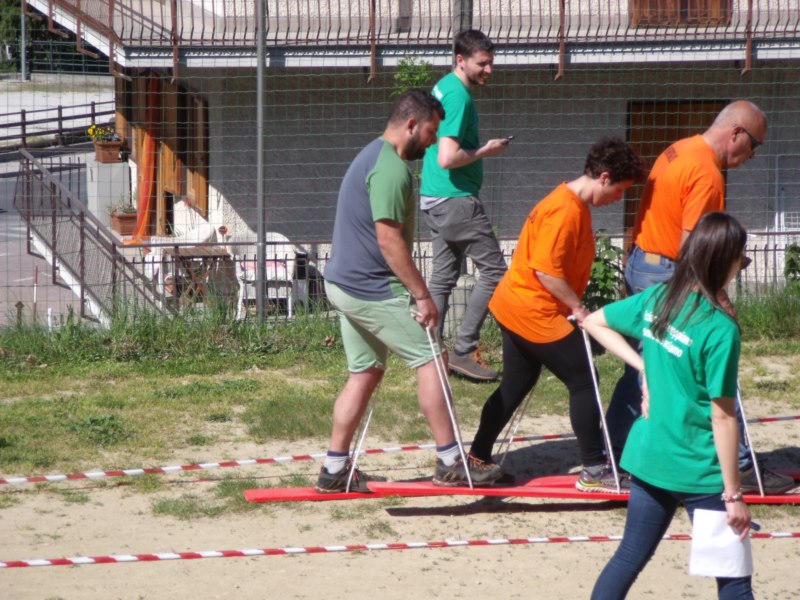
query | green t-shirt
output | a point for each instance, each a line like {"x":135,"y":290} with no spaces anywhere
{"x":460,"y":122}
{"x":697,"y":360}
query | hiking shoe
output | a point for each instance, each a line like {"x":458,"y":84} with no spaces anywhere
{"x":600,"y":478}
{"x":472,"y":366}
{"x":505,"y":480}
{"x":481,"y":473}
{"x":329,"y":484}
{"x":774,"y":483}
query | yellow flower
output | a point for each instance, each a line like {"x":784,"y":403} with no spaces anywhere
{"x":103,"y":134}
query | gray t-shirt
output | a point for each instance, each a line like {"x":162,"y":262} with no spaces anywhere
{"x":377,"y":186}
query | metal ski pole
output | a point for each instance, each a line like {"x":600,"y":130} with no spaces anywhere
{"x":511,"y":429}
{"x":606,"y":437}
{"x":441,"y":371}
{"x":748,"y":440}
{"x":361,"y":437}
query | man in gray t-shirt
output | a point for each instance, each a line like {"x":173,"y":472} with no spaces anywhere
{"x":371,"y":280}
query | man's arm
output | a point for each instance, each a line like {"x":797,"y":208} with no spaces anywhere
{"x":452,"y":155}
{"x":398,"y":257}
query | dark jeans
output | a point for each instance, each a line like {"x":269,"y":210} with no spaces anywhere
{"x":626,"y":402}
{"x":650,"y":511}
{"x":460,"y":227}
{"x":522,"y":365}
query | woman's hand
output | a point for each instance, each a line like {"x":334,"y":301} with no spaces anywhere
{"x":580,"y":313}
{"x":739,"y":517}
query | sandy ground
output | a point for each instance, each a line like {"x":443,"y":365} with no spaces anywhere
{"x":118,"y":519}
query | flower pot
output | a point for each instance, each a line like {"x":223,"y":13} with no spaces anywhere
{"x":123,"y":223}
{"x":107,"y":152}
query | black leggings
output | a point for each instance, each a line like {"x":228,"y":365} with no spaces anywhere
{"x":522,"y":365}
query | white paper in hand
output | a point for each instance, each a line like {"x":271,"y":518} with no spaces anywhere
{"x":717,"y":550}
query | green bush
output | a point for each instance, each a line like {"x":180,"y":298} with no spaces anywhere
{"x":607,"y":281}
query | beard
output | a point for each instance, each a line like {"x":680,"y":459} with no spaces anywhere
{"x":415,"y":149}
{"x":477,"y":80}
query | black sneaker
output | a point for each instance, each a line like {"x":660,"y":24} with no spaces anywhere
{"x":481,"y":473}
{"x":600,"y":478}
{"x":774,"y":483}
{"x":330,"y":484}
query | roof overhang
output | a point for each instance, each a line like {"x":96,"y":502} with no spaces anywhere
{"x":222,"y":56}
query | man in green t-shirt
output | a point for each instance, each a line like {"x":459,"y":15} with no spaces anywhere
{"x":452,"y":174}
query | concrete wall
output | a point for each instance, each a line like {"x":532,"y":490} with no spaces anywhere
{"x":317,"y":121}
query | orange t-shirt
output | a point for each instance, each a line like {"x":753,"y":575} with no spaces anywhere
{"x":556,"y":239}
{"x":685,"y":183}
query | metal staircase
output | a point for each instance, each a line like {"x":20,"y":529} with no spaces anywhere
{"x":88,"y":257}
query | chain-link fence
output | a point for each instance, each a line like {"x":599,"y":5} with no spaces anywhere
{"x":189,"y":110}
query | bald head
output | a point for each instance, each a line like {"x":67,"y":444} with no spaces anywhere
{"x":738,"y":130}
{"x":743,"y":113}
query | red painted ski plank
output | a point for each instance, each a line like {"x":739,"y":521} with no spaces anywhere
{"x":300,"y":495}
{"x":555,"y":486}
{"x":560,"y":486}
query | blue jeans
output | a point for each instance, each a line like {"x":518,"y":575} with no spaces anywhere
{"x":626,"y":402}
{"x":650,"y":511}
{"x":460,"y":227}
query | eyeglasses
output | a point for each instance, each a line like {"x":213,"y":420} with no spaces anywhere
{"x":744,"y":262}
{"x":754,"y":142}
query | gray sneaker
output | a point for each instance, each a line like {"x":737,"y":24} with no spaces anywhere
{"x":600,"y":478}
{"x":481,"y":473}
{"x":774,"y":483}
{"x":472,"y":366}
{"x":328,"y":483}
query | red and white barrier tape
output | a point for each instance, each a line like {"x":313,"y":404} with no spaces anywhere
{"x":282,"y":459}
{"x":236,"y":463}
{"x":292,"y":550}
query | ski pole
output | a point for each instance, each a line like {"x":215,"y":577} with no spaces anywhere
{"x":606,"y":437}
{"x":360,"y":441}
{"x":441,"y":371}
{"x":748,"y":440}
{"x":511,"y":429}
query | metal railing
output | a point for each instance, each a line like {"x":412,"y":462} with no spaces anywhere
{"x":78,"y":247}
{"x":324,"y":22}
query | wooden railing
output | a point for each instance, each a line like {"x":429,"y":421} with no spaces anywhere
{"x":60,"y":122}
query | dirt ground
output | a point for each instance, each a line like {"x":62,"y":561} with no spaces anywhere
{"x":117,"y":519}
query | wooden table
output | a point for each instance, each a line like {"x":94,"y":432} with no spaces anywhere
{"x":194,"y":264}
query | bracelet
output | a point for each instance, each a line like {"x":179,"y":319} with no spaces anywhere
{"x":737,"y":497}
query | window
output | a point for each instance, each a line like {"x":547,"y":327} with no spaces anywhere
{"x":197,"y":153}
{"x":651,"y":13}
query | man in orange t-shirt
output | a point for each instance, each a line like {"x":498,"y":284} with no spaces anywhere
{"x":685,"y":183}
{"x":543,"y":287}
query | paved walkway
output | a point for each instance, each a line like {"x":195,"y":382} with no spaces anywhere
{"x":17,"y":271}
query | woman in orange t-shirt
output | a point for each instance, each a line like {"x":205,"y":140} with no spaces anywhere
{"x":543,"y":287}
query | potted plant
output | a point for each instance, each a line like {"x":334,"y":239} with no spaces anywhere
{"x":123,"y":218}
{"x":107,"y":143}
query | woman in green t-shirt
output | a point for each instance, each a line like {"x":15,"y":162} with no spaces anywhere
{"x":683,"y":449}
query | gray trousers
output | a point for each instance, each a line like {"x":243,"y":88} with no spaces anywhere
{"x":461,"y":228}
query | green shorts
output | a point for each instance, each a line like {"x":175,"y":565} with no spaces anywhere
{"x":370,"y":328}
